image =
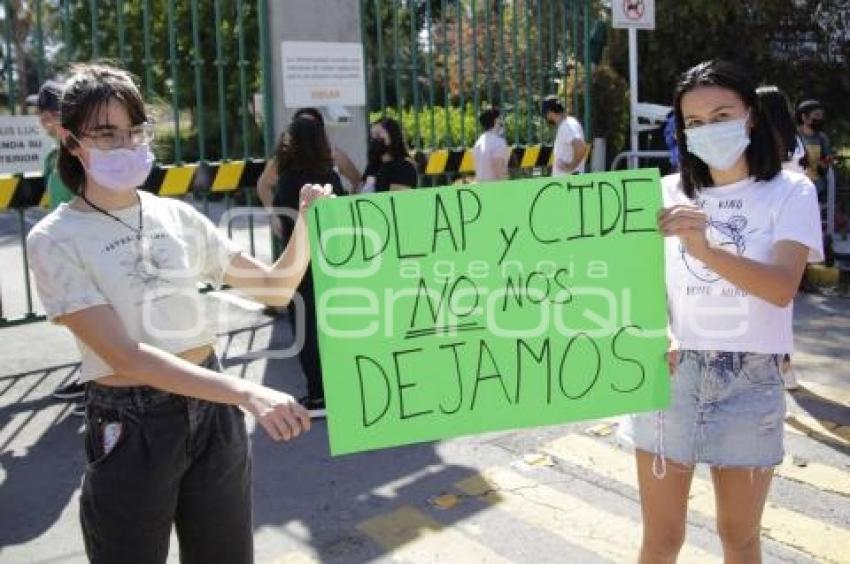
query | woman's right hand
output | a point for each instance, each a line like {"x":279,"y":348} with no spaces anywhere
{"x":280,"y":414}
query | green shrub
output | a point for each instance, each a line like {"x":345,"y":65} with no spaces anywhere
{"x":521,"y":127}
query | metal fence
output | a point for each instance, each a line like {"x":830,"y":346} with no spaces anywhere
{"x":436,"y":64}
{"x":204,"y":69}
{"x":201,"y":85}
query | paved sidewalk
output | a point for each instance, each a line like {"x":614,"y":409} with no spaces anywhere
{"x":526,"y":496}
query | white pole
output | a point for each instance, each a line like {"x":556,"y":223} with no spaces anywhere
{"x":830,"y":201}
{"x":633,"y":94}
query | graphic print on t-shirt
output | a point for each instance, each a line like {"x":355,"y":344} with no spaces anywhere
{"x":142,"y":262}
{"x":727,"y":232}
{"x":729,"y":235}
{"x":747,"y":218}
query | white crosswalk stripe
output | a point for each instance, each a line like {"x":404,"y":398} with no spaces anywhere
{"x":823,"y":541}
{"x":575,"y":520}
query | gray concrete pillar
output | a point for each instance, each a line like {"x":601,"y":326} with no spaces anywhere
{"x":335,"y":21}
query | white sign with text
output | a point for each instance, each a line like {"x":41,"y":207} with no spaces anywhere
{"x":322,"y":74}
{"x":23,"y":144}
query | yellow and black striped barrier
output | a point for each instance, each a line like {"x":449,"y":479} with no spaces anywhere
{"x":217,"y":177}
{"x":28,"y":190}
{"x":461,"y":161}
{"x":21,"y":191}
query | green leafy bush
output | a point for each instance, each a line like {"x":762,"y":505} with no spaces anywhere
{"x":453,"y":127}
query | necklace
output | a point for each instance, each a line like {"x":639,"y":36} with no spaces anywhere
{"x":136,"y":230}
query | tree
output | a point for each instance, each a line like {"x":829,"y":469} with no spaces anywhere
{"x":17,"y":26}
{"x":800,"y":45}
{"x":70,"y":29}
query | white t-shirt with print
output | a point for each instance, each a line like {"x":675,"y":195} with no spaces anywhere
{"x":489,"y":145}
{"x":84,"y":258}
{"x":747,"y":218}
{"x":568,"y":130}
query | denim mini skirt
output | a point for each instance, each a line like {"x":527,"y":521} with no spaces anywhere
{"x":726,"y":409}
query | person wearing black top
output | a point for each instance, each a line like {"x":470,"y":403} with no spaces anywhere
{"x":303,"y":157}
{"x":390,"y":167}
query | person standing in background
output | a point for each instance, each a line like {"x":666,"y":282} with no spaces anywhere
{"x":342,"y":163}
{"x":669,"y":132}
{"x":775,"y":104}
{"x":390,"y":167}
{"x":570,"y":149}
{"x":47,"y":104}
{"x":810,"y":117}
{"x":792,"y":153}
{"x":491,"y":152}
{"x":268,"y":180}
{"x":303,"y":156}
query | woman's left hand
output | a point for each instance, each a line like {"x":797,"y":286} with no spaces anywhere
{"x":689,"y":224}
{"x":312,"y":192}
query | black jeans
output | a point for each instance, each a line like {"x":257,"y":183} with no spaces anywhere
{"x":157,"y":459}
{"x":308,"y":355}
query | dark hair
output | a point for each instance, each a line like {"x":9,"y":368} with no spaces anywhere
{"x":304,"y":148}
{"x":806,"y":107}
{"x":551,"y":104}
{"x":776,"y":107}
{"x":488,"y":118}
{"x":762,"y":153}
{"x":397,"y":148}
{"x":48,"y":96}
{"x":310,"y":112}
{"x":86,"y":96}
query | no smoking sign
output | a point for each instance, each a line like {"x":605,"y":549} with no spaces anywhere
{"x":638,"y":14}
{"x":634,"y":9}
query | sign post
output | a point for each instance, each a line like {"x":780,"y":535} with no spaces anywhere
{"x":633,"y":15}
{"x":468,"y":309}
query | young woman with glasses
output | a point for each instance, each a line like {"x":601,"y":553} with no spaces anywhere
{"x":165,"y":437}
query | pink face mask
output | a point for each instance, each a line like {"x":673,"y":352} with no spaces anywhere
{"x":120,"y":170}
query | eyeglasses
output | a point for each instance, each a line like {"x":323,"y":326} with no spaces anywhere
{"x":107,"y":139}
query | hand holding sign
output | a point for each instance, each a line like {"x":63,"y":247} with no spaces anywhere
{"x":689,"y":224}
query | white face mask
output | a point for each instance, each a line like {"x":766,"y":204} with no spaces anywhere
{"x":719,"y":145}
{"x":120,"y":170}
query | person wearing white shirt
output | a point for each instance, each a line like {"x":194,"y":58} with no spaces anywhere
{"x":569,"y":148}
{"x":491,"y":152}
{"x":738,"y":233}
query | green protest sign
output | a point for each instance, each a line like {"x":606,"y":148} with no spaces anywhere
{"x":467,"y":309}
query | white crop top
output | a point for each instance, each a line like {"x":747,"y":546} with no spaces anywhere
{"x":84,"y":258}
